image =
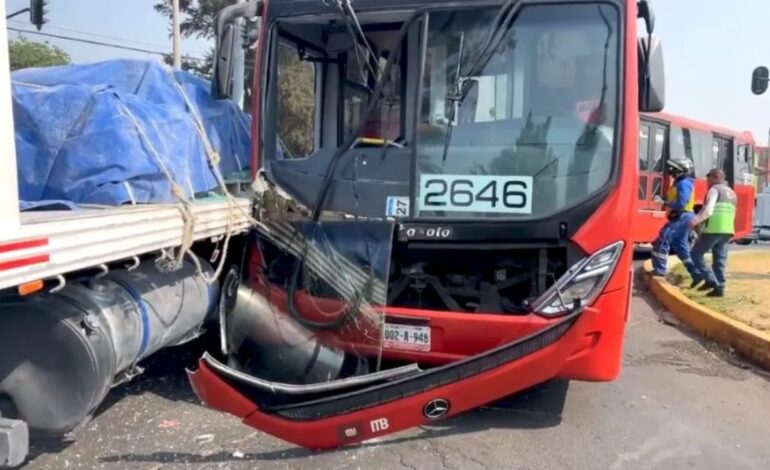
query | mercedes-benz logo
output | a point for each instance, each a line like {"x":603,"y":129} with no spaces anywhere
{"x":436,"y":408}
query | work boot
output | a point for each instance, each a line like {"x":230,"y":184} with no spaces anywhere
{"x":718,"y":292}
{"x":695,"y":283}
{"x":707,"y":286}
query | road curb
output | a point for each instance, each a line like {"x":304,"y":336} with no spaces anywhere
{"x":745,"y":340}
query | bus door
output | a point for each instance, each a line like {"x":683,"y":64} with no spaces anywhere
{"x":652,"y":154}
{"x":743,"y":184}
{"x":723,"y":157}
{"x":742,"y":165}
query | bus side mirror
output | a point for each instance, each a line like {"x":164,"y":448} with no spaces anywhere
{"x":644,"y":11}
{"x":652,"y":75}
{"x":224,"y":68}
{"x":228,"y":40}
{"x":760,"y":80}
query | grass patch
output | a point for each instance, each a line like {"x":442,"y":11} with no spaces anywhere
{"x":746,"y":298}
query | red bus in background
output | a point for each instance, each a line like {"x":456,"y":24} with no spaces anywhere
{"x":663,"y":136}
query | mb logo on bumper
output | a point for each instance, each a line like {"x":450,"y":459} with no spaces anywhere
{"x":436,"y":408}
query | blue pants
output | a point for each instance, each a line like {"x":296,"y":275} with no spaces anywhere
{"x":717,"y":244}
{"x":674,"y":235}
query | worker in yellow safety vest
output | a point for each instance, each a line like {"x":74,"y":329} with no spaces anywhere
{"x":680,"y":207}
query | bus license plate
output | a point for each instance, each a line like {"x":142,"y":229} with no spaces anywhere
{"x":407,"y":337}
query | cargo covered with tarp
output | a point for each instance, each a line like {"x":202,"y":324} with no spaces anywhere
{"x":123,"y":131}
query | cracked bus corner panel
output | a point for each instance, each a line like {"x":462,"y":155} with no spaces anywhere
{"x":309,"y":309}
{"x":428,"y":186}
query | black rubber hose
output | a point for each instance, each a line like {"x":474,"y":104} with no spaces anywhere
{"x":319,"y":325}
{"x":335,"y":159}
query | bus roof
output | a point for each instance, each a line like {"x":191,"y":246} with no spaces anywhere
{"x":745,"y":137}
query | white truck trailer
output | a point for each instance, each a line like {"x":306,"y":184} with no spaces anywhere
{"x":86,"y":294}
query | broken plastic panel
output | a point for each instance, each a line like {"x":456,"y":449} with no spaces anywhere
{"x":310,"y":310}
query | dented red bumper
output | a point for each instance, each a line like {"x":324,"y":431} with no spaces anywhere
{"x":584,"y":345}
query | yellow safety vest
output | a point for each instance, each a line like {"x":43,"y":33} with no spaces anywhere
{"x":671,"y":198}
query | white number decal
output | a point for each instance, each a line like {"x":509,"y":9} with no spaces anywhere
{"x":476,"y":193}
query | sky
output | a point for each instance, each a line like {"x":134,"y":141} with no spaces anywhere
{"x":131,"y":23}
{"x":710,"y":48}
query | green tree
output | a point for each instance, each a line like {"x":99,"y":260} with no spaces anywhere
{"x":25,"y":53}
{"x":296,"y":83}
{"x":203,"y":66}
{"x":198,"y":21}
{"x":296,"y":98}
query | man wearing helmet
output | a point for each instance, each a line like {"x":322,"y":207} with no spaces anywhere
{"x":680,"y":206}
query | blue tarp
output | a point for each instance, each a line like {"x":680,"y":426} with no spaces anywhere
{"x":94,"y":134}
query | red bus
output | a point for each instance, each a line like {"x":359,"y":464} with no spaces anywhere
{"x":475,"y":246}
{"x":663,"y":136}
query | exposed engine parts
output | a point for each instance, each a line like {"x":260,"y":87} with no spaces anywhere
{"x":493,"y":281}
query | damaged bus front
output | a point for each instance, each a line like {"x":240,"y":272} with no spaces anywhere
{"x":442,"y":196}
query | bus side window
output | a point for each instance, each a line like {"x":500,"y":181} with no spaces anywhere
{"x":659,"y":149}
{"x":743,"y":165}
{"x":644,"y":142}
{"x":684,"y":146}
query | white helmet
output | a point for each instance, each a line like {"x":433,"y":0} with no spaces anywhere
{"x":680,"y":166}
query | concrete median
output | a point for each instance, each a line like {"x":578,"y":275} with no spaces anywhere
{"x":748,"y":341}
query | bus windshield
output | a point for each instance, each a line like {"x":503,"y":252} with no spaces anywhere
{"x":535,"y":131}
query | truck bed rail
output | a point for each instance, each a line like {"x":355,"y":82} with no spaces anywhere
{"x":50,"y":243}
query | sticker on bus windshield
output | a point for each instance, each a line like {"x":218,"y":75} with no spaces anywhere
{"x":475,"y":193}
{"x":397,"y":206}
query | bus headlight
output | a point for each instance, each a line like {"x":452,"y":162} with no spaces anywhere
{"x":581,"y":285}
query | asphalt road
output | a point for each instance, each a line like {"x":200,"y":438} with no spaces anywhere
{"x":680,"y":403}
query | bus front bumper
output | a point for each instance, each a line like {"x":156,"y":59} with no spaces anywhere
{"x":584,"y":345}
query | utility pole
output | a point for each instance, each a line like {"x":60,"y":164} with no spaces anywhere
{"x":177,"y":37}
{"x":9,"y":202}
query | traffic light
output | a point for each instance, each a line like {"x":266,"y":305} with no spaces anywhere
{"x":37,"y":12}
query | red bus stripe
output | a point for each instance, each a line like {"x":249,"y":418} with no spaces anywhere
{"x":23,"y":245}
{"x":21,"y":262}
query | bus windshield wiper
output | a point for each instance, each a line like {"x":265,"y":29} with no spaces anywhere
{"x":453,"y":98}
{"x":377,"y":95}
{"x":328,"y":180}
{"x":462,"y":84}
{"x":357,"y":35}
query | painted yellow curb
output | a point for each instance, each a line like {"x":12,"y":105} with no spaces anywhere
{"x":745,"y":340}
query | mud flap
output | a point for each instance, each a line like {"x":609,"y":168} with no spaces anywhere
{"x":366,"y":408}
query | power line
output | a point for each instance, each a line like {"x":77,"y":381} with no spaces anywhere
{"x":103,"y":36}
{"x":100,"y":43}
